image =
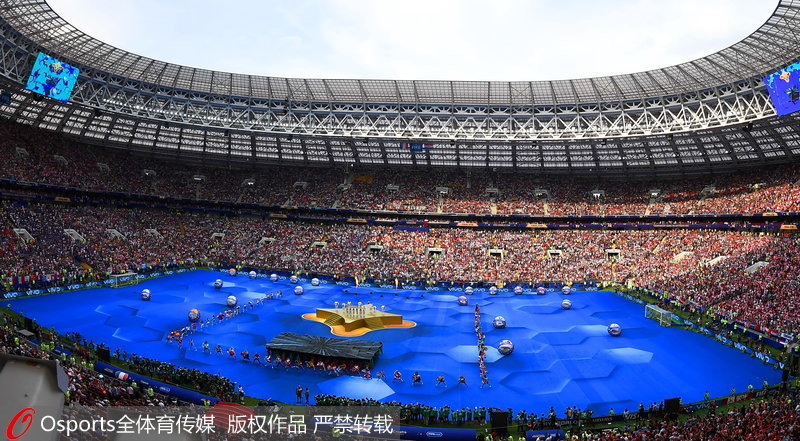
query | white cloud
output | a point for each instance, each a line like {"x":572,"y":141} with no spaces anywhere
{"x":421,"y":39}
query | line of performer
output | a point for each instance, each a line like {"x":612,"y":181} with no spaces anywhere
{"x":481,"y":348}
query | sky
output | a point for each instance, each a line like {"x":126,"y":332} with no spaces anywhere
{"x":420,"y":39}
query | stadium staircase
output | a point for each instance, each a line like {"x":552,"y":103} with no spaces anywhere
{"x":650,"y":204}
{"x":181,"y":226}
{"x":492,"y":206}
{"x":723,"y":299}
{"x":755,"y":267}
{"x":79,"y":260}
{"x":374,"y":323}
{"x":333,"y":320}
{"x":546,"y":208}
{"x":658,"y":247}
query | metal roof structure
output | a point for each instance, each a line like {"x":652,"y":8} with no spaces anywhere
{"x":678,"y":117}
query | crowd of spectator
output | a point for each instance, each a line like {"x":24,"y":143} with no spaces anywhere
{"x":777,"y":419}
{"x":774,"y":419}
{"x":86,"y":387}
{"x":32,"y":155}
{"x":704,"y":268}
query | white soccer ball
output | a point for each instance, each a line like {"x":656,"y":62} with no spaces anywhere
{"x":566,"y":304}
{"x":469,"y":290}
{"x":315,"y":282}
{"x":493,"y":290}
{"x":518,"y":290}
{"x":253,"y":274}
{"x":614,"y":330}
{"x":232,"y":271}
{"x":231,"y":301}
{"x":566,"y":290}
{"x":293,"y":279}
{"x":273,"y":277}
{"x":298,"y":290}
{"x":218,"y":283}
{"x":146,"y":294}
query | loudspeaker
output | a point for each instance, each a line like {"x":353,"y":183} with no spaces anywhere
{"x":103,"y":354}
{"x":785,"y":375}
{"x":28,"y":324}
{"x":672,"y":405}
{"x":499,"y":423}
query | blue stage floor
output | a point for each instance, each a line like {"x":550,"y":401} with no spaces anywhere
{"x":561,"y":358}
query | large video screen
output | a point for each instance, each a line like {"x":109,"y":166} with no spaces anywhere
{"x":52,"y":77}
{"x":784,"y":89}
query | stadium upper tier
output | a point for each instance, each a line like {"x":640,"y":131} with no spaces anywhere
{"x":678,"y":117}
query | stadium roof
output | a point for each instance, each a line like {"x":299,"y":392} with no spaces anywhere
{"x":592,"y":123}
{"x":769,"y":47}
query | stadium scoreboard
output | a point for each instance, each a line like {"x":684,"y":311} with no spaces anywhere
{"x":52,"y":77}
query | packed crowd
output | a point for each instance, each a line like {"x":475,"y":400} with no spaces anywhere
{"x":37,"y":156}
{"x":698,"y":267}
{"x":85,"y":387}
{"x":776,"y":419}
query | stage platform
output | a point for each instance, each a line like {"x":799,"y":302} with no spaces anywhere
{"x":355,"y":322}
{"x":324,"y":347}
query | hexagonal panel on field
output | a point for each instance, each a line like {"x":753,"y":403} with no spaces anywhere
{"x":125,"y":321}
{"x":469,"y":354}
{"x":625,"y":356}
{"x":116,"y":310}
{"x":569,"y":337}
{"x":541,"y":309}
{"x":587,"y":368}
{"x":356,"y":387}
{"x":399,"y":307}
{"x":611,"y":316}
{"x":138,"y":334}
{"x":535,"y":383}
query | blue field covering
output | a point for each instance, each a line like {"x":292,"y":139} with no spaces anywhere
{"x":561,"y":358}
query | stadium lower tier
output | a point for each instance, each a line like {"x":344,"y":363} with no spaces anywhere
{"x":732,"y":275}
{"x":560,"y":357}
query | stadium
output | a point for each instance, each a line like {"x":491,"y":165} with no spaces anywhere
{"x":602,"y":258}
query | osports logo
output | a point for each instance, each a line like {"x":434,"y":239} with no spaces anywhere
{"x":23,"y":418}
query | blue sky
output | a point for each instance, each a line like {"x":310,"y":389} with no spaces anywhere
{"x":420,"y":39}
